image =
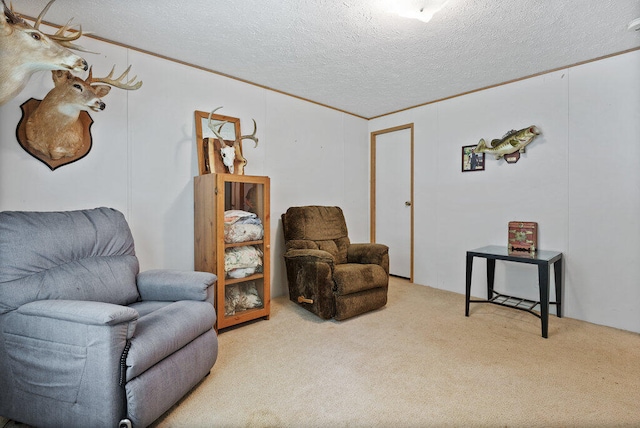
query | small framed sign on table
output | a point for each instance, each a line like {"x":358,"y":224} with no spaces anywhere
{"x":523,"y":237}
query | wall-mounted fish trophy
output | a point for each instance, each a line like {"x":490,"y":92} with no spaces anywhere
{"x":512,"y":143}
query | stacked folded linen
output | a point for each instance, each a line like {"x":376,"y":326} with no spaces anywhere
{"x":240,"y":262}
{"x":242,"y":226}
{"x":240,"y":297}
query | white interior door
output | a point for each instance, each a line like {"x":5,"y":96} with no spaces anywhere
{"x":393,"y":197}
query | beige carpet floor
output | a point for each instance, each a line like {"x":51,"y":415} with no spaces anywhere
{"x":418,"y":362}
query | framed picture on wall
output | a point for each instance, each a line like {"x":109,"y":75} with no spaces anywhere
{"x":472,"y":161}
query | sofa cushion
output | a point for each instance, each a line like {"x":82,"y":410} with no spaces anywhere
{"x":353,"y":277}
{"x":72,"y":255}
{"x":337,"y":248}
{"x":166,"y":330}
{"x":145,"y":307}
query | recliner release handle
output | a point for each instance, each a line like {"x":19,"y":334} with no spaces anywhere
{"x":302,"y":299}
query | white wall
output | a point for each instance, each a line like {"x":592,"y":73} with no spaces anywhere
{"x":604,"y":192}
{"x":101,"y":178}
{"x":144,"y":156}
{"x":579,"y":180}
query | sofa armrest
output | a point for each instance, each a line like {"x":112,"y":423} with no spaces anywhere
{"x":68,"y":352}
{"x":174,"y":285}
{"x":310,"y":279}
{"x":81,"y":312}
{"x":309,"y":256}
{"x":369,"y":253}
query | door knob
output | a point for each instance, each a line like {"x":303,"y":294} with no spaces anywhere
{"x":408,"y":203}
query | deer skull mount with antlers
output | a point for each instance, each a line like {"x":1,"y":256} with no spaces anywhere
{"x":24,"y":49}
{"x":52,"y":129}
{"x":231,"y":154}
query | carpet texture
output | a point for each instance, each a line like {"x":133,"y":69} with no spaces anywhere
{"x":417,"y":362}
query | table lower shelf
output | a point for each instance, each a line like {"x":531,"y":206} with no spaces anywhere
{"x":525,"y":305}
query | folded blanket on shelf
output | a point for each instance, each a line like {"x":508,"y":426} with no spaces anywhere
{"x":239,"y":216}
{"x":242,"y":226}
{"x":240,"y":297}
{"x":240,"y":262}
{"x":242,"y":233}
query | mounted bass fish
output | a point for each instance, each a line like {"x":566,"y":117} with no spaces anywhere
{"x":512,"y":142}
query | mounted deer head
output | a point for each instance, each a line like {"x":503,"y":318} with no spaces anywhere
{"x":232,"y":154}
{"x":24,"y":49}
{"x":53,"y":128}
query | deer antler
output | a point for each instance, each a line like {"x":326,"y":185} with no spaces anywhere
{"x":117,"y":83}
{"x":42,"y":14}
{"x":243,"y":137}
{"x":59,"y":36}
{"x":213,"y":128}
{"x":12,"y":18}
{"x":252,"y":136}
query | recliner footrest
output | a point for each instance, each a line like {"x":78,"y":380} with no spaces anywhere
{"x":353,"y":277}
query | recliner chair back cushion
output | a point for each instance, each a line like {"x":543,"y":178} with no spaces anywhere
{"x":318,"y":228}
{"x":75,"y":255}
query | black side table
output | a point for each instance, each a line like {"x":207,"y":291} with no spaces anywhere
{"x":543,"y":259}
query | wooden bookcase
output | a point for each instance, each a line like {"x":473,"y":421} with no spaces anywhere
{"x":213,"y":195}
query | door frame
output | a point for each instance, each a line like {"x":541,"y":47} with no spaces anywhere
{"x":372,"y":209}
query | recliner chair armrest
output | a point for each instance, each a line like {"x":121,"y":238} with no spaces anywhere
{"x":68,"y":353}
{"x":78,"y":311}
{"x":174,"y":285}
{"x":309,"y":255}
{"x":369,"y":253}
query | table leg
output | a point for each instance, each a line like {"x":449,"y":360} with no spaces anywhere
{"x":468,"y":284}
{"x":543,"y":279}
{"x":491,"y":274}
{"x":557,"y":271}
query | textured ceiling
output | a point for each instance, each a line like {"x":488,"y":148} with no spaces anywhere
{"x":353,"y":55}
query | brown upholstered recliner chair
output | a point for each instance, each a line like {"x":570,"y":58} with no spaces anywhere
{"x":327,"y":274}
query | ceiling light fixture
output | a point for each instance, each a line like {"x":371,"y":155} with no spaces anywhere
{"x":422,"y":10}
{"x":634,"y":25}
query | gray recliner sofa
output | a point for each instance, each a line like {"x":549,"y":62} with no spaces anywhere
{"x":85,"y":339}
